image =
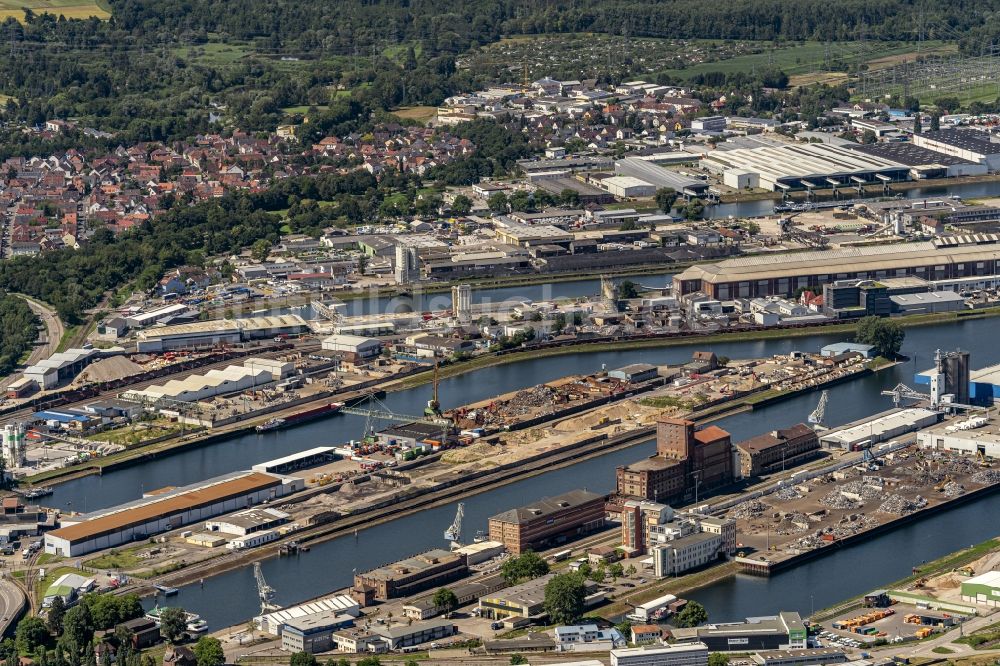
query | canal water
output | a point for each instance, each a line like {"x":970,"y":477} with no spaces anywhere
{"x":231,"y":597}
{"x":423,"y":302}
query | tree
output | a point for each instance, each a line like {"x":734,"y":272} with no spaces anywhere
{"x":301,"y":659}
{"x":917,"y":126}
{"x":461,"y":205}
{"x":935,"y":122}
{"x":369,"y":661}
{"x":624,"y":628}
{"x":558,"y":322}
{"x":525,"y":566}
{"x":630,"y":570}
{"x":626,"y":290}
{"x":883,"y":334}
{"x":692,"y":615}
{"x":31,"y":634}
{"x":362,"y":263}
{"x":208,"y":651}
{"x":569,"y":197}
{"x":665,"y":199}
{"x":445,"y":600}
{"x":172,"y":623}
{"x":497,"y":202}
{"x":57,"y":610}
{"x":718,"y":659}
{"x":616,"y":570}
{"x":260,"y":249}
{"x":78,"y":628}
{"x":564,"y":596}
{"x":516,"y":659}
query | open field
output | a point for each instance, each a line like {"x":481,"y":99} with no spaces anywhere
{"x":418,"y":113}
{"x":67,"y":8}
{"x":814,"y":59}
{"x":211,"y":53}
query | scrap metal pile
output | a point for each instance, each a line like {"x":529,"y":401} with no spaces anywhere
{"x":747,"y":510}
{"x":848,"y":526}
{"x":897,"y":505}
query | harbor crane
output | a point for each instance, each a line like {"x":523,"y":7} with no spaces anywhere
{"x":902,"y":392}
{"x":379,"y":411}
{"x":454,"y":533}
{"x":264,"y":591}
{"x":816,"y":417}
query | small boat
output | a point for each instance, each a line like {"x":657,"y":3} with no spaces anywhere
{"x":271,"y":424}
{"x":35,"y":493}
{"x":166,"y":590}
{"x":193,"y":622}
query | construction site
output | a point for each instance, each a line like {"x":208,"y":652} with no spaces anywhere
{"x":802,"y":519}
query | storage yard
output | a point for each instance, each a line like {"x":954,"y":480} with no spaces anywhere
{"x":802,"y":519}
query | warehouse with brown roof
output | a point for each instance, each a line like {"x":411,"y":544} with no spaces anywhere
{"x":163,"y":511}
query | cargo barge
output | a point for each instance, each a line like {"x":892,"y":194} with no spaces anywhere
{"x":300,"y":417}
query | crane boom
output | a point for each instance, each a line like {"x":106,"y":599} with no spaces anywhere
{"x":264,"y":591}
{"x":816,"y":417}
{"x":454,"y":533}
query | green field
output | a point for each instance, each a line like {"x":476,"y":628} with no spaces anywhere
{"x":806,"y":57}
{"x":212,"y":53}
{"x":67,"y":8}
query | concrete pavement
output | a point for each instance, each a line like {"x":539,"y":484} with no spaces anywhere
{"x":12,"y":604}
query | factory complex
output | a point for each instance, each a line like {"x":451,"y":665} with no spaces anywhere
{"x":217,"y":332}
{"x":164,"y":510}
{"x":782,"y":275}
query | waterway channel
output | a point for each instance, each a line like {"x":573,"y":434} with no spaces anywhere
{"x":230,"y":598}
{"x":422,"y":302}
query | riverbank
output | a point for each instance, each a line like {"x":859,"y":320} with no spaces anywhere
{"x":420,"y":378}
{"x":944,"y":564}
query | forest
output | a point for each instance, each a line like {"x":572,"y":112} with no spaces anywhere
{"x":18,"y":331}
{"x":155,"y":71}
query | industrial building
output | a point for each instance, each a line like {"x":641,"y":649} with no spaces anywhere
{"x":338,"y":604}
{"x":967,"y":144}
{"x":525,"y":600}
{"x":355,"y":348}
{"x":254,"y":373}
{"x":313,"y":633}
{"x":556,"y":183}
{"x":983,"y":590}
{"x":217,"y":332}
{"x":628,"y":187}
{"x":799,"y":657}
{"x":64,"y":366}
{"x":14,"y":444}
{"x":677,"y":542}
{"x":975,"y":436}
{"x":923,"y":163}
{"x":433,"y":568}
{"x":810,"y":166}
{"x":783,"y":274}
{"x":161,"y":512}
{"x":309,"y":458}
{"x":862,"y":435}
{"x":660,"y":177}
{"x":784,"y":631}
{"x":536,"y":525}
{"x":778,"y":449}
{"x":951,"y":376}
{"x":687,"y":461}
{"x":933,"y":301}
{"x":678,"y":654}
{"x":381,"y":638}
{"x":247,"y":522}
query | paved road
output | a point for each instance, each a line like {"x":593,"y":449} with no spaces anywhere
{"x":48,"y":340}
{"x":11,"y":603}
